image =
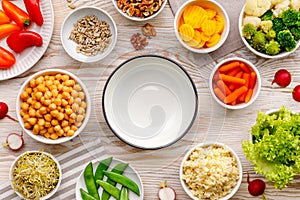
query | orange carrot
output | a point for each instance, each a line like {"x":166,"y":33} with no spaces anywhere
{"x":247,"y":78}
{"x":219,"y":93}
{"x":233,"y":72}
{"x":229,"y":66}
{"x":232,"y":79}
{"x":232,"y":86}
{"x":223,"y":87}
{"x":233,"y":103}
{"x":235,"y":94}
{"x":252,"y":80}
{"x":248,"y":95}
{"x":245,"y":68}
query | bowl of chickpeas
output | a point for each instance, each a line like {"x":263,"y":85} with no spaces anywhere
{"x":53,"y":106}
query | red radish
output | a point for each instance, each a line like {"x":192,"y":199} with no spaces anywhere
{"x":256,"y":187}
{"x":282,"y":78}
{"x":4,"y":111}
{"x":296,"y":93}
{"x":14,"y":141}
{"x":166,"y":192}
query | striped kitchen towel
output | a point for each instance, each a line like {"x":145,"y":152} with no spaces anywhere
{"x":72,"y":164}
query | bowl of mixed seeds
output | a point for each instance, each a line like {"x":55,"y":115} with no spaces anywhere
{"x":88,"y":34}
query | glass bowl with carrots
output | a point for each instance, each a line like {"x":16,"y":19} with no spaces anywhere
{"x":235,"y":83}
{"x":201,"y":26}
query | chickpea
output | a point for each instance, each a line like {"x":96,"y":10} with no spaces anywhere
{"x":52,"y":106}
{"x":75,"y":93}
{"x":22,"y":113}
{"x":60,"y":132}
{"x":31,"y":112}
{"x":81,"y":111}
{"x":65,"y":77}
{"x":64,"y":123}
{"x":28,"y":90}
{"x":54,"y":92}
{"x":68,"y":111}
{"x":77,"y":87}
{"x":79,"y":118}
{"x":48,"y":95}
{"x":32,"y":121}
{"x":47,"y":102}
{"x":75,"y":107}
{"x":24,"y":95}
{"x":58,"y":76}
{"x":73,"y":116}
{"x":26,"y":117}
{"x":66,"y":129}
{"x":57,"y":101}
{"x":77,"y":101}
{"x":66,"y":95}
{"x":29,"y":100}
{"x":47,"y":135}
{"x":83,"y":105}
{"x":69,"y":83}
{"x":74,"y":128}
{"x":41,"y":88}
{"x":24,"y":106}
{"x":37,"y":105}
{"x":27,"y":125}
{"x":43,"y":132}
{"x":43,"y":110}
{"x":38,"y":114}
{"x":54,"y":113}
{"x":48,"y":83}
{"x":64,"y":102}
{"x":53,"y":136}
{"x":81,"y":95}
{"x":57,"y":128}
{"x":56,"y":82}
{"x":60,"y":87}
{"x":32,"y":83}
{"x":35,"y":129}
{"x":38,"y":95}
{"x":48,"y":117}
{"x":71,"y":101}
{"x":41,"y":122}
{"x":47,"y":124}
{"x":70,"y":133}
{"x":60,"y":116}
{"x":39,"y":80}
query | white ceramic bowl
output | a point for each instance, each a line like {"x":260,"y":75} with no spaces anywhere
{"x":150,"y":102}
{"x":256,"y":89}
{"x":115,"y":2}
{"x":68,"y":26}
{"x":32,"y":152}
{"x":41,"y":138}
{"x":205,"y":4}
{"x":263,"y":55}
{"x":204,"y":145}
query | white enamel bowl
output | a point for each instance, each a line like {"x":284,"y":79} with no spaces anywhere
{"x":150,"y":102}
{"x":54,"y":190}
{"x":205,"y":4}
{"x":204,"y":145}
{"x":41,"y":138}
{"x":263,"y":55}
{"x":68,"y":26}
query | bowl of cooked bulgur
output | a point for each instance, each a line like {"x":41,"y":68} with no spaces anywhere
{"x":211,"y":171}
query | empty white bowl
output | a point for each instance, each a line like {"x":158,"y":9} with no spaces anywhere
{"x":41,"y":138}
{"x":68,"y":26}
{"x":134,"y":18}
{"x":15,"y":164}
{"x":211,"y":4}
{"x":256,"y":89}
{"x":150,"y":102}
{"x":196,"y":162}
{"x":263,"y":55}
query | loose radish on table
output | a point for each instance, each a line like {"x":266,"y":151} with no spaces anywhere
{"x":166,"y":192}
{"x":256,"y":187}
{"x":4,"y":111}
{"x":282,"y":77}
{"x":14,"y":141}
{"x":296,"y":93}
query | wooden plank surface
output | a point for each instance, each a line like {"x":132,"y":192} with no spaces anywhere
{"x":212,"y":122}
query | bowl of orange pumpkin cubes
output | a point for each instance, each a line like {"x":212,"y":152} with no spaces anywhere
{"x":201,"y":26}
{"x":235,"y":83}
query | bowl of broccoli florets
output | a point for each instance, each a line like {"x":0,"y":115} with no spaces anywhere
{"x":272,"y":31}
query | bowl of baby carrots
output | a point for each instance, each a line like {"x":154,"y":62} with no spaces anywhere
{"x":201,"y":26}
{"x":235,"y":83}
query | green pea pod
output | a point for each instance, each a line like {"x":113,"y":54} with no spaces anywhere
{"x":112,"y":190}
{"x":103,"y":165}
{"x":119,"y":169}
{"x":124,"y":194}
{"x":124,"y":181}
{"x":90,"y":181}
{"x":85,"y":195}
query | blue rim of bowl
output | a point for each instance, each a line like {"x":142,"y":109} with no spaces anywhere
{"x":182,"y":134}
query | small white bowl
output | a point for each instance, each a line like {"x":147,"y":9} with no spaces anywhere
{"x":41,"y":138}
{"x":263,"y":55}
{"x":32,"y":152}
{"x":205,"y":4}
{"x":150,"y":102}
{"x":68,"y":26}
{"x":256,"y":89}
{"x":115,"y":2}
{"x":205,"y":145}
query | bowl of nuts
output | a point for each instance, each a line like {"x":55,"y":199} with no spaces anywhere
{"x":139,"y":10}
{"x":88,"y":34}
{"x":53,"y":106}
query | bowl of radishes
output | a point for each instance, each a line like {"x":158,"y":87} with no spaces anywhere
{"x":53,"y":106}
{"x":199,"y":177}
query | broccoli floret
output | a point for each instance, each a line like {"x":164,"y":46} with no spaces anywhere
{"x":248,"y":31}
{"x":258,"y":41}
{"x":267,"y":15}
{"x":290,"y":17}
{"x":271,"y":34}
{"x":265,"y":26}
{"x":278,"y":25}
{"x":286,"y":40}
{"x":295,"y":32}
{"x":272,"y":48}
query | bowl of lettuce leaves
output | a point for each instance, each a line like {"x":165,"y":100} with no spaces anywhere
{"x":271,"y":31}
{"x":274,"y":147}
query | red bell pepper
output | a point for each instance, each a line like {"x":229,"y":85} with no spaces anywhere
{"x":16,"y":14}
{"x":20,"y":40}
{"x":34,"y":11}
{"x":7,"y":59}
{"x":6,"y":29}
{"x":4,"y":19}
